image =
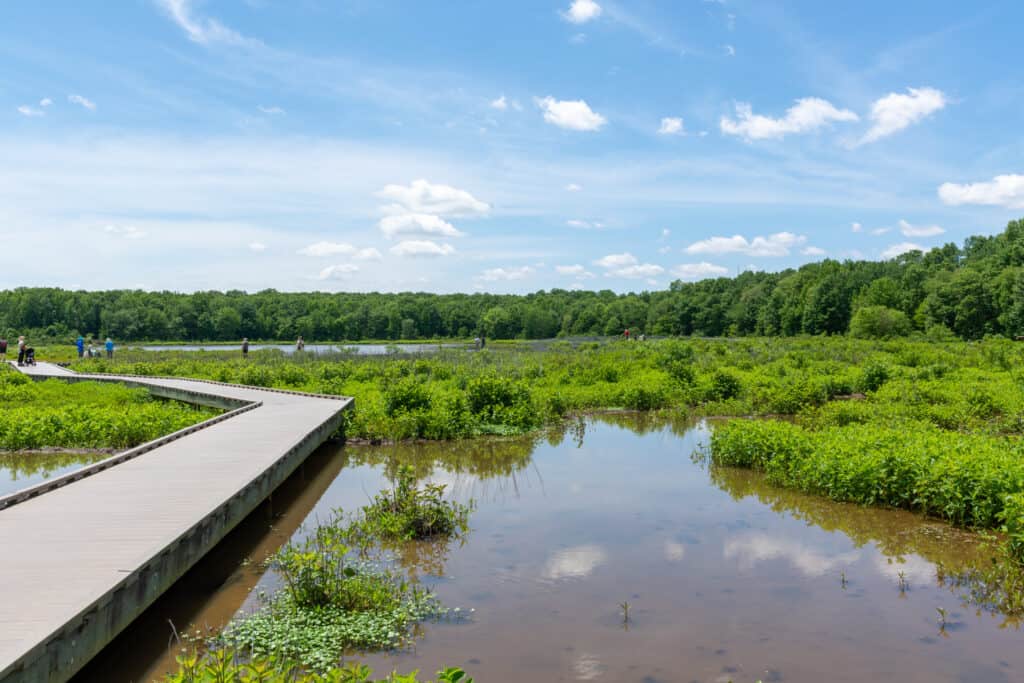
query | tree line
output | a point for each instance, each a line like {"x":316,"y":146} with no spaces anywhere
{"x":968,"y":291}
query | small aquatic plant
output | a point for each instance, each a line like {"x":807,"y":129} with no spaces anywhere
{"x":228,"y":665}
{"x":624,"y":606}
{"x":410,"y":512}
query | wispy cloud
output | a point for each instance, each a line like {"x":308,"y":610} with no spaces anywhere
{"x":82,"y":101}
{"x":909,"y":230}
{"x":901,"y":248}
{"x":425,"y":248}
{"x":270,"y":110}
{"x":807,"y":115}
{"x":575,"y":270}
{"x":698,"y":271}
{"x":199,"y":29}
{"x":506,"y":274}
{"x":26,"y":110}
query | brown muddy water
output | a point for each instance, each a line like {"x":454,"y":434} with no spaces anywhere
{"x":727,"y":578}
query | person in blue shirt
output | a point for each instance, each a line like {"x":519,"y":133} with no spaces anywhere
{"x":80,"y":343}
{"x":110,"y":348}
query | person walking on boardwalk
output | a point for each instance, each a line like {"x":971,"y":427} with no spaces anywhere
{"x":245,"y":347}
{"x":110,"y":348}
{"x":21,"y":350}
{"x":80,"y":345}
{"x":3,"y":349}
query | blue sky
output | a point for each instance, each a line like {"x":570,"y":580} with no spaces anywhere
{"x":496,"y":146}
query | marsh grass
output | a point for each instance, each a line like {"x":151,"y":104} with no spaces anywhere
{"x":229,"y":665}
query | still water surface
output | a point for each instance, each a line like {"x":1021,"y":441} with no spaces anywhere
{"x":21,"y":470}
{"x":357,"y":349}
{"x":727,"y":578}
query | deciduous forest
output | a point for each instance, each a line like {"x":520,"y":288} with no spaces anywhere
{"x":965,"y":291}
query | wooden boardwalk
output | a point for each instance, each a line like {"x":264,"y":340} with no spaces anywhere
{"x":80,"y":562}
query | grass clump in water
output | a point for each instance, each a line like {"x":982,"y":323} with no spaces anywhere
{"x":332,"y":601}
{"x":229,"y":665}
{"x":411,"y":513}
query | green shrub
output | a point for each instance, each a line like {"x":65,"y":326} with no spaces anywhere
{"x":406,"y":395}
{"x":873,"y":376}
{"x":879,"y":322}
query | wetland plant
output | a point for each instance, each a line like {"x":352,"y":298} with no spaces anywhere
{"x":227,"y":665}
{"x":624,"y":606}
{"x":409,"y":512}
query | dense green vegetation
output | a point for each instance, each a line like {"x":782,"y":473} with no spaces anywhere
{"x":968,"y":291}
{"x":335,"y":599}
{"x":230,"y":666}
{"x":55,"y":414}
{"x":455,"y":394}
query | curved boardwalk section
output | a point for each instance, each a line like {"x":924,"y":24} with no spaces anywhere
{"x":80,"y":562}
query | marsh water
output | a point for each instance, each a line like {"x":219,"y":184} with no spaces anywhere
{"x":356,"y":349}
{"x":726,"y":577}
{"x":21,"y":470}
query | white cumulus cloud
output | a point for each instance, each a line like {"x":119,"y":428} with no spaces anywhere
{"x":807,"y":115}
{"x":896,"y":111}
{"x":582,"y":11}
{"x":626,"y":265}
{"x":417,"y":224}
{"x":573,"y":187}
{"x":616,"y":260}
{"x":45,"y":102}
{"x":901,"y":248}
{"x":698,"y":271}
{"x":496,"y":274}
{"x":856,"y":227}
{"x":422,"y":248}
{"x":778,"y":244}
{"x":1003,"y":190}
{"x":909,"y":230}
{"x":813,"y":251}
{"x":342,"y":271}
{"x":422,"y":196}
{"x":671,"y":126}
{"x":82,"y":101}
{"x":500,"y":103}
{"x":570,"y":114}
{"x":257,"y":246}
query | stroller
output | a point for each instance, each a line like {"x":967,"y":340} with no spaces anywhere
{"x":30,"y":356}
